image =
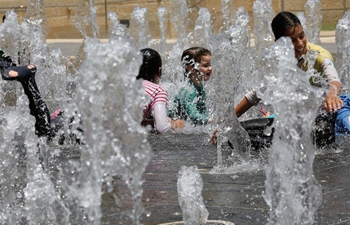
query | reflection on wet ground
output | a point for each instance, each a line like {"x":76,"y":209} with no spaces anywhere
{"x":235,"y":197}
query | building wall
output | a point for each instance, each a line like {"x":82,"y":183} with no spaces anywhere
{"x":60,"y":14}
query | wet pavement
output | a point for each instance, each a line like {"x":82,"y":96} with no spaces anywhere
{"x":234,"y":197}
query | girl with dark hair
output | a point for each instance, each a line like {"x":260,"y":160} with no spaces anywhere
{"x":190,"y":103}
{"x":286,"y":24}
{"x":155,"y":113}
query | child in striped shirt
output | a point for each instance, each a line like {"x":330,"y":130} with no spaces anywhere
{"x":155,"y":113}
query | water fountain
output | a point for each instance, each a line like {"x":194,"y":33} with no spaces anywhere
{"x":63,"y":190}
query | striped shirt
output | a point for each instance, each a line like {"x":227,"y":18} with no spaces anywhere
{"x":157,"y":94}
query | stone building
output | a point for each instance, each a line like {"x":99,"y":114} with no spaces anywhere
{"x":60,"y":14}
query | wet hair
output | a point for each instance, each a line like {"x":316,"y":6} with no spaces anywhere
{"x":151,"y":62}
{"x":193,"y":55}
{"x":282,"y":22}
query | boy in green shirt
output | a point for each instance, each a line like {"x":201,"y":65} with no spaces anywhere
{"x":190,"y":102}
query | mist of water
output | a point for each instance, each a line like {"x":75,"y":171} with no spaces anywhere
{"x":343,"y":50}
{"x":263,"y":14}
{"x":116,"y":28}
{"x":229,"y":49}
{"x":313,"y":12}
{"x":291,"y":192}
{"x":163,"y":21}
{"x":85,"y":19}
{"x":228,"y":13}
{"x":189,"y":189}
{"x":139,"y":28}
{"x":111,"y":148}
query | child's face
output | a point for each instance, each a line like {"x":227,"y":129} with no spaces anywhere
{"x":299,"y":40}
{"x":205,"y":67}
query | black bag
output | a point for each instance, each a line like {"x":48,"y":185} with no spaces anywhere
{"x":260,"y":131}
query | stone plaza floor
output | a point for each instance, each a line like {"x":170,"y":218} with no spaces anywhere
{"x":234,"y":197}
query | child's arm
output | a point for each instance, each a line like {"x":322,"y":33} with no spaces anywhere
{"x":332,"y":102}
{"x":161,"y":119}
{"x":243,"y":106}
{"x":246,"y":103}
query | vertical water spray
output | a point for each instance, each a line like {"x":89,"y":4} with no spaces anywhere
{"x":116,"y":28}
{"x":202,"y":32}
{"x":228,"y":13}
{"x":302,"y":19}
{"x":36,"y":16}
{"x":189,"y":189}
{"x":291,"y":192}
{"x":10,"y":42}
{"x":43,"y":203}
{"x":163,"y":23}
{"x":246,"y":63}
{"x":179,"y":18}
{"x":11,"y":175}
{"x":39,"y":201}
{"x":85,"y":19}
{"x":263,"y":14}
{"x":115,"y":142}
{"x":139,"y":28}
{"x":228,"y":50}
{"x":313,"y":12}
{"x":342,"y":37}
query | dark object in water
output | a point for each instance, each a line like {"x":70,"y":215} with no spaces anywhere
{"x":260,"y":131}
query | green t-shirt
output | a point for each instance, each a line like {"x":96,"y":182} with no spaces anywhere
{"x":190,"y":104}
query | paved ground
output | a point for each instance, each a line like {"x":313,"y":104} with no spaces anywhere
{"x":234,"y":197}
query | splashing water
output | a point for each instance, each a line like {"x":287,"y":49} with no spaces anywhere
{"x":228,"y":49}
{"x":109,"y":69}
{"x":111,"y":148}
{"x":228,"y":13}
{"x":202,"y":31}
{"x":139,"y":28}
{"x":179,"y":17}
{"x":189,"y":188}
{"x":36,"y":16}
{"x":85,"y":19}
{"x":302,"y":18}
{"x":263,"y":14}
{"x":292,"y":192}
{"x":313,"y":12}
{"x":343,"y":51}
{"x":163,"y":21}
{"x":116,"y":28}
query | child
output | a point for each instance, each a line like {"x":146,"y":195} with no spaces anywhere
{"x":155,"y":113}
{"x":286,"y":24}
{"x":190,"y":103}
{"x":45,"y":125}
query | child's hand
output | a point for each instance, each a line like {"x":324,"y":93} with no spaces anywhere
{"x":333,"y":103}
{"x":176,"y":124}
